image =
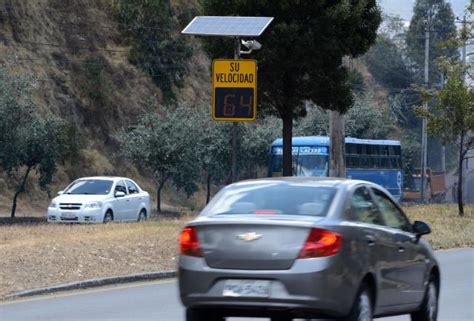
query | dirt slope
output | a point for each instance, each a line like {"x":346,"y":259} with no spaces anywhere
{"x":80,"y":59}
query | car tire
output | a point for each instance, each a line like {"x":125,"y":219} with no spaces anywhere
{"x":202,"y":315}
{"x":429,"y":308}
{"x":362,"y":309}
{"x":142,"y":216}
{"x":108,"y":217}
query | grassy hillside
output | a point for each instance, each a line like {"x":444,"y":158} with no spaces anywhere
{"x":79,"y":57}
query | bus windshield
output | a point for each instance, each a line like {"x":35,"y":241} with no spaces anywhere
{"x":307,"y":161}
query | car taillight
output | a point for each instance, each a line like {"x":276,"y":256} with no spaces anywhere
{"x":320,"y":243}
{"x":189,"y":243}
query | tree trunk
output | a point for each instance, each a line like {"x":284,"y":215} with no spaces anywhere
{"x":20,"y":190}
{"x":208,"y":185}
{"x":287,"y":144}
{"x":460,"y":178}
{"x":337,"y":164}
{"x":161,"y":183}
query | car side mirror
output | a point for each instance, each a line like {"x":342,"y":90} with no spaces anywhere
{"x":421,"y":228}
{"x":60,"y":192}
{"x":119,"y":194}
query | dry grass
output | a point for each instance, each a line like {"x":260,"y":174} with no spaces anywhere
{"x":38,"y":255}
{"x":449,"y":230}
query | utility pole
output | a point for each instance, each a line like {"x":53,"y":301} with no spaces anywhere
{"x":464,"y":63}
{"x":424,"y":140}
{"x":235,"y":125}
{"x":443,"y":148}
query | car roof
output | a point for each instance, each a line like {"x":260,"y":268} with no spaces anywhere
{"x":316,"y":181}
{"x":113,"y":178}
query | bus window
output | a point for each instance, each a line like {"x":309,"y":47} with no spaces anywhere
{"x":385,"y":162}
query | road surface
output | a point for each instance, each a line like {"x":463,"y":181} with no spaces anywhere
{"x":159,"y":301}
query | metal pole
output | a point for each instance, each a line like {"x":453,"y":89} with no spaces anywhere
{"x":235,"y":125}
{"x":443,"y":148}
{"x":464,"y":63}
{"x":424,"y":140}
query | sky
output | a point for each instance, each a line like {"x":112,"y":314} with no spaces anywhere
{"x":404,"y":8}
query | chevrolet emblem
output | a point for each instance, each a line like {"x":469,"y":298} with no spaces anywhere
{"x":249,"y":237}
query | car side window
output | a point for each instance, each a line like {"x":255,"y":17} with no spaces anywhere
{"x":120,"y":187}
{"x":363,"y":207}
{"x":132,"y":188}
{"x":392,"y":215}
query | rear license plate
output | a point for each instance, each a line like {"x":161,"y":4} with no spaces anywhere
{"x":68,"y":215}
{"x":246,"y":288}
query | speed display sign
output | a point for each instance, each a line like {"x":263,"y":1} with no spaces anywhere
{"x":234,"y":90}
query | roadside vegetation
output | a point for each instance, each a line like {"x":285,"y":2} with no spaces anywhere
{"x":40,"y":255}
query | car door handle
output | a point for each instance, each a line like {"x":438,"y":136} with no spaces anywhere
{"x":401,"y":249}
{"x":370,"y":239}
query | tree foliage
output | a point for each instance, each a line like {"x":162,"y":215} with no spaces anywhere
{"x":184,"y":145}
{"x":156,"y":47}
{"x":28,"y":141}
{"x":166,"y":146}
{"x":302,"y":52}
{"x":452,"y":116}
{"x":438,"y":17}
{"x":364,"y":120}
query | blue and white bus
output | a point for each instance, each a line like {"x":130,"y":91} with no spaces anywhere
{"x":377,"y":161}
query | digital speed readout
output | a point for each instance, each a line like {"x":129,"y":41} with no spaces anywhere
{"x":234,"y":103}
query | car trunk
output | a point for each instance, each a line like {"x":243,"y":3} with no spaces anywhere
{"x":247,"y":246}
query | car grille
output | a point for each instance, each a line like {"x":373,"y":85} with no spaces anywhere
{"x":70,"y":206}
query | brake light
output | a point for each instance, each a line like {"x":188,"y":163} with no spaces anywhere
{"x":189,"y":243}
{"x":320,"y":243}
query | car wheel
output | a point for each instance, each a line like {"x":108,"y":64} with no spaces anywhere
{"x":429,"y":307}
{"x":202,"y":315}
{"x":362,"y":309}
{"x":142,"y":216}
{"x":108,"y":217}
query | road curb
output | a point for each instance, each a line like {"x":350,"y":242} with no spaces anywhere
{"x":148,"y":276}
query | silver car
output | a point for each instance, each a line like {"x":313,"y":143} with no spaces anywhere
{"x":306,"y":248}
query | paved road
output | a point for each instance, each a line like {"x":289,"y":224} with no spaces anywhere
{"x":159,"y":301}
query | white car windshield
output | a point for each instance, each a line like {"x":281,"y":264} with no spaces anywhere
{"x":90,"y":187}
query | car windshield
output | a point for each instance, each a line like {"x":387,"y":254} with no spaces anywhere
{"x":271,"y":198}
{"x":90,"y":187}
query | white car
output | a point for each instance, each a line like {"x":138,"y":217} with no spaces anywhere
{"x":100,"y":199}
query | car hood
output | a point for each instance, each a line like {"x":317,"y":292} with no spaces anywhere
{"x":65,"y":198}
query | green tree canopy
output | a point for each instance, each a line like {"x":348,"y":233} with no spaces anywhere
{"x":166,"y":146}
{"x":156,"y":48}
{"x":302,"y":52}
{"x":438,"y":17}
{"x":28,"y":141}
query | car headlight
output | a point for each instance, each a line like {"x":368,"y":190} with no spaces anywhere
{"x":94,"y":205}
{"x":52,"y":204}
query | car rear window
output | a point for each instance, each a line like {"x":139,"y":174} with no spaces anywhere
{"x":271,"y":198}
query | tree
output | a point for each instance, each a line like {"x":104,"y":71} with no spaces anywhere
{"x":40,"y":147}
{"x":438,"y":17}
{"x":151,"y":26}
{"x":302,"y":53}
{"x":28,"y":141}
{"x":364,"y":120}
{"x":167,"y":147}
{"x":452,"y":116}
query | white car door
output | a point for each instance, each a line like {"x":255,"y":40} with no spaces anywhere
{"x":135,"y":200}
{"x":121,"y":204}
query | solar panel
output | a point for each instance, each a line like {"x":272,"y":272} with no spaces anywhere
{"x":227,"y":26}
